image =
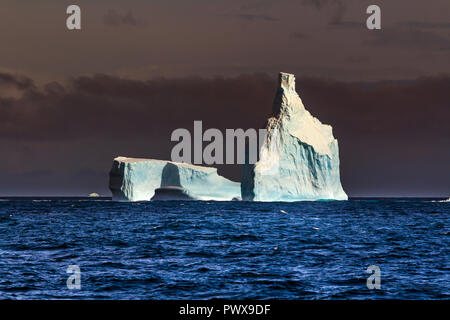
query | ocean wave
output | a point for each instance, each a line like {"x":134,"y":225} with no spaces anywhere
{"x":446,"y":200}
{"x":222,"y":250}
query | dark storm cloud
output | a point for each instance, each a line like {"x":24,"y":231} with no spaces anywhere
{"x":257,"y":5}
{"x":188,"y":38}
{"x":298,"y":35}
{"x":111,"y":102}
{"x":427,"y":25}
{"x":410,"y":38}
{"x":18,"y":82}
{"x":108,"y":106}
{"x":252,"y":17}
{"x":319,"y":4}
{"x":358,"y":59}
{"x":339,"y":6}
{"x":254,"y":11}
{"x":361,"y":25}
{"x":339,"y":13}
{"x":113,"y":18}
{"x":393,"y":135}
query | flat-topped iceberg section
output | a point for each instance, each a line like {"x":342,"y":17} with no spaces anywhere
{"x":299,"y":158}
{"x":134,"y":179}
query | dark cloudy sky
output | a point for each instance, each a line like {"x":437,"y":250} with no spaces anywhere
{"x":70,"y":101}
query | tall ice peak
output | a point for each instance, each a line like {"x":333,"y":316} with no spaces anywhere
{"x":299,"y":157}
{"x":286,"y":81}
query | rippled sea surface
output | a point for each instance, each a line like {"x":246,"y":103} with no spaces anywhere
{"x":202,"y":250}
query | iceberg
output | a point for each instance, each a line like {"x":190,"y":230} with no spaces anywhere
{"x":134,"y":179}
{"x":299,"y":157}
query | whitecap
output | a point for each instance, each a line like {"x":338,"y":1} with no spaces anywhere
{"x":446,"y":200}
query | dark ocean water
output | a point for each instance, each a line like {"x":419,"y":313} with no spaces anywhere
{"x":201,"y":250}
